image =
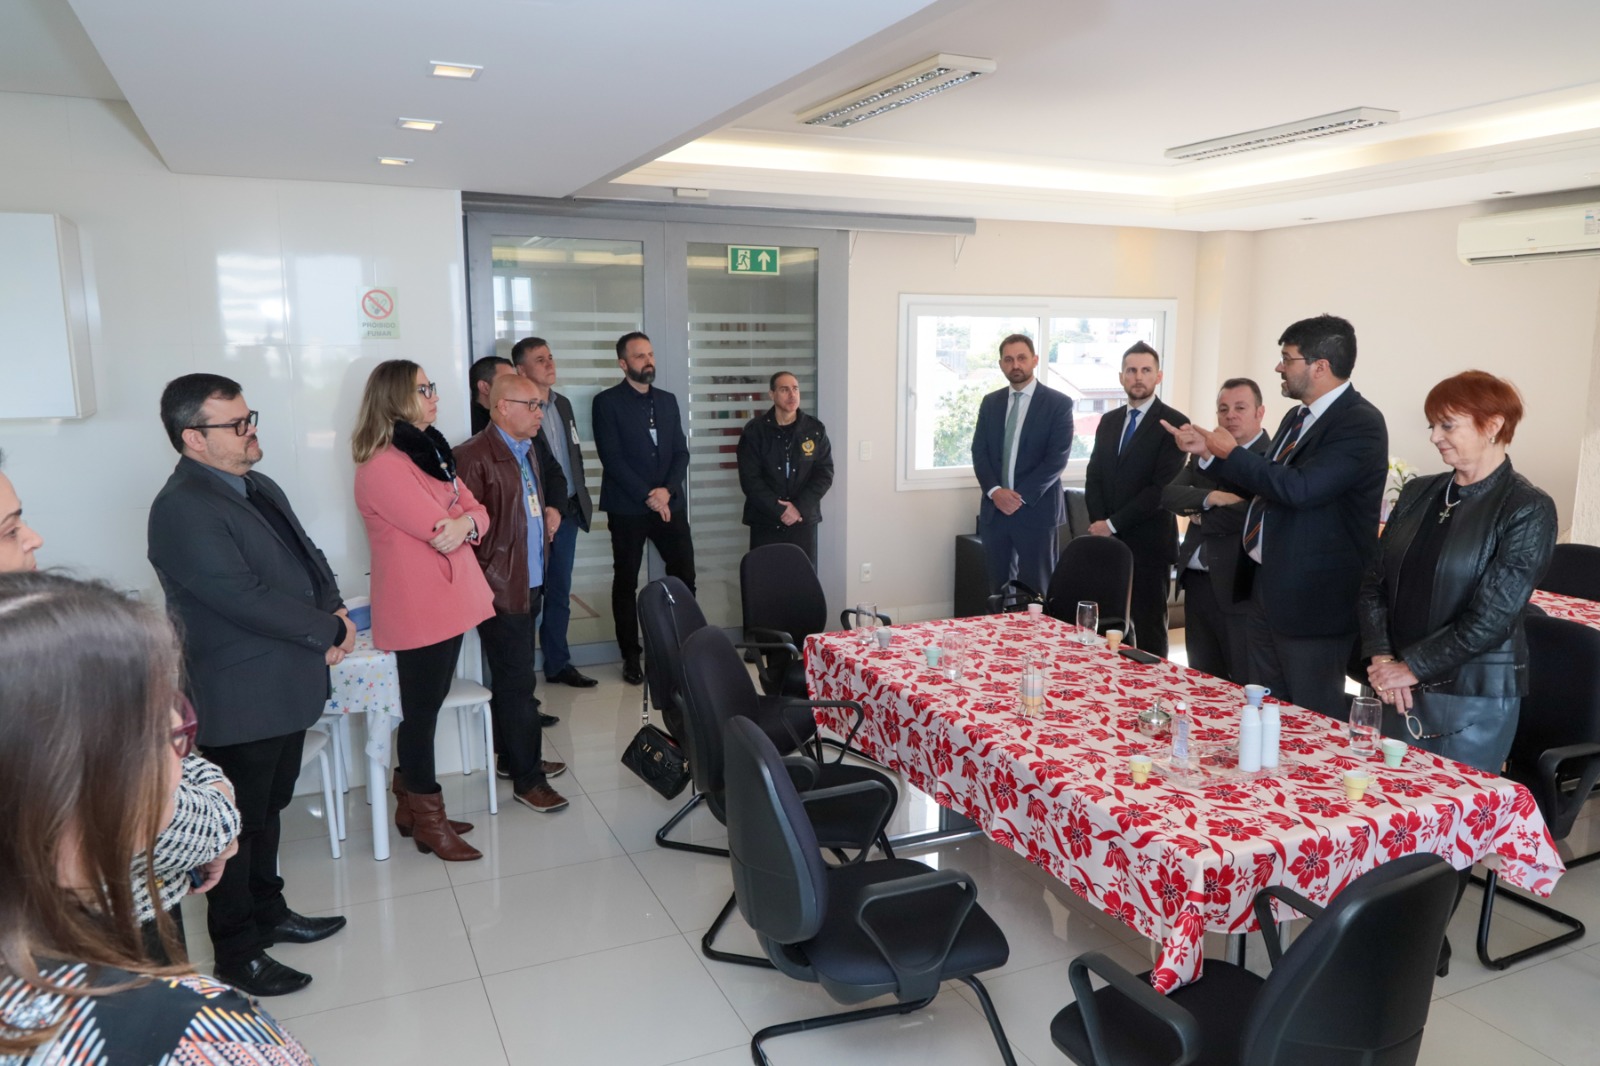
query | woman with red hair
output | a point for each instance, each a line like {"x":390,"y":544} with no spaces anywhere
{"x":1441,"y":606}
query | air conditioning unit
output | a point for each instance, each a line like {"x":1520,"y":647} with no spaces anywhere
{"x":1548,"y":233}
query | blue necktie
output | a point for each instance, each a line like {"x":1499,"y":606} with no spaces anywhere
{"x":1133,"y":424}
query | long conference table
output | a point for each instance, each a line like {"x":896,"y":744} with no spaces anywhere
{"x":1171,"y":858}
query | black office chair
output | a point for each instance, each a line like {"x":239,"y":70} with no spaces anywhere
{"x":1574,"y":571}
{"x":1098,"y":569}
{"x":1013,"y":596}
{"x":1556,"y":754}
{"x":848,"y":616}
{"x":717,"y":689}
{"x":1352,"y":990}
{"x":783,"y":604}
{"x":895,"y":927}
{"x":668,"y":614}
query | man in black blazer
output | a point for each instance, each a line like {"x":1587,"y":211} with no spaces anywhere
{"x":645,"y":461}
{"x":1019,"y":448}
{"x":261,"y":619}
{"x":1311,"y":527}
{"x":1208,"y":558}
{"x":1132,"y":461}
{"x":534,"y":361}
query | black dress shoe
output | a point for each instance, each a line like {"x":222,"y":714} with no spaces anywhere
{"x":262,"y":975}
{"x":631,"y":671}
{"x":298,"y":929}
{"x":548,"y":720}
{"x":570,"y":676}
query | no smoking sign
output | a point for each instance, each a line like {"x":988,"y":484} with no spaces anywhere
{"x":379,"y":315}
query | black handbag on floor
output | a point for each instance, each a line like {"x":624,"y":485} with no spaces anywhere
{"x":658,"y":760}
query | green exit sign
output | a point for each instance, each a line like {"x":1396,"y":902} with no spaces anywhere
{"x":745,"y":260}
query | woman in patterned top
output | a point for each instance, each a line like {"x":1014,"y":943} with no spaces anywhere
{"x":90,"y":758}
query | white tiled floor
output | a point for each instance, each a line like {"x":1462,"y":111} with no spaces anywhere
{"x":576,"y":940}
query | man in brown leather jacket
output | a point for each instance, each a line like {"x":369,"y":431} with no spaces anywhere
{"x":512,"y":473}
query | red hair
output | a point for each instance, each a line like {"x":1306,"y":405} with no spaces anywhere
{"x":1477,"y":395}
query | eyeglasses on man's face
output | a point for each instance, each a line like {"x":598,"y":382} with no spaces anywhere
{"x":529,"y":404}
{"x":240,"y":426}
{"x":428,"y":391}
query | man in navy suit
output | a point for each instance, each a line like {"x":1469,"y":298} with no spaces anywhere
{"x":1019,"y":448}
{"x":1311,"y":527}
{"x":1132,"y":461}
{"x":639,"y":435}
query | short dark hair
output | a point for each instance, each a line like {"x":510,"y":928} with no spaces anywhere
{"x":483,"y":371}
{"x":627,"y":339}
{"x":1242,"y":383}
{"x":183,"y":398}
{"x":1324,"y":337}
{"x":524,"y":346}
{"x":772,"y":382}
{"x":1018,"y":338}
{"x":1141,"y":348}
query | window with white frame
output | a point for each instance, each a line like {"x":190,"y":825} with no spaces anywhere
{"x":950,"y":358}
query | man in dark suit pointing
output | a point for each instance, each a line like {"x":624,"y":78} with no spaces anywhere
{"x":1132,"y":461}
{"x":1311,"y":526}
{"x":1019,"y":448}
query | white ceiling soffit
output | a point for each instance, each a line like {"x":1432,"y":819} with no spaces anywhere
{"x":43,"y":49}
{"x":1088,"y":96}
{"x":572,"y":91}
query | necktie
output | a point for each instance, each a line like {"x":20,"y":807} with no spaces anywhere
{"x":1133,"y":424}
{"x":1011,"y":432}
{"x":1257,"y":510}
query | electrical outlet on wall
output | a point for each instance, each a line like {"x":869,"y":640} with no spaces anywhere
{"x":866,"y":572}
{"x":866,"y":450}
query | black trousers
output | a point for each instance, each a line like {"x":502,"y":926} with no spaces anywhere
{"x":1205,"y":627}
{"x":425,"y":675}
{"x":1012,"y":549}
{"x":248,"y":901}
{"x":1308,"y":671}
{"x":802,"y":535}
{"x":508,"y":646}
{"x":629,"y":532}
{"x":1152,"y":579}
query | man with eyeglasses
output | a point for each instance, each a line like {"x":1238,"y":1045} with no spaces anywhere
{"x":262,"y":620}
{"x":1311,"y":516}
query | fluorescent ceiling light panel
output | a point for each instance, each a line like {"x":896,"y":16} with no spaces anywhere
{"x":1356,"y":118}
{"x":395,"y":161}
{"x":426,"y":125}
{"x":464,"y":71}
{"x":914,"y":83}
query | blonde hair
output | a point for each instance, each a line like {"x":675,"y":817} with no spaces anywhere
{"x":390,"y":397}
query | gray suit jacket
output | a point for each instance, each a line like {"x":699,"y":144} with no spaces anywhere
{"x":1216,"y":532}
{"x":254,"y":627}
{"x":565,"y":435}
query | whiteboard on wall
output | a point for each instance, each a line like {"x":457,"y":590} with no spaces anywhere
{"x":44,"y":321}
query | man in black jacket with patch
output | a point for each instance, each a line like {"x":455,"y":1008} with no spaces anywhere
{"x":785,"y":468}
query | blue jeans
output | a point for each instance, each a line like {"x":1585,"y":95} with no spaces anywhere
{"x":558,"y":597}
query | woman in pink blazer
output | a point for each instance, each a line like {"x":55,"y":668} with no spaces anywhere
{"x":427,"y":588}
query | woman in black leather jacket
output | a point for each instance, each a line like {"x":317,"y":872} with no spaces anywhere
{"x":1441,"y":606}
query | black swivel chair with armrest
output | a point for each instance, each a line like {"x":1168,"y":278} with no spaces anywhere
{"x":1352,"y":990}
{"x":895,"y":927}
{"x":668,"y":614}
{"x":1574,"y":571}
{"x":783,"y":604}
{"x":716,"y":689}
{"x":1098,"y":569}
{"x":1556,"y":755}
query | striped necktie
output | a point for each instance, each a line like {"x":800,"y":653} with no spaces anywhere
{"x":1258,"y":508}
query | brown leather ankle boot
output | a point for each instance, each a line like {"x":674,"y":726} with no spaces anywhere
{"x":431,"y":830}
{"x":402,"y":813}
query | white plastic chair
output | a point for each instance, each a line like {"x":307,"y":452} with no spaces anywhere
{"x":318,"y":738}
{"x":337,"y":725}
{"x":467,"y":694}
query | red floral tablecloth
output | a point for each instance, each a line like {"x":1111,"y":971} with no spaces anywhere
{"x":1172,"y":861}
{"x":1572,"y":608}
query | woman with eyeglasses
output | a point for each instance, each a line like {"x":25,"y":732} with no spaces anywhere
{"x":427,"y":587}
{"x":1441,"y":606}
{"x":91,"y":753}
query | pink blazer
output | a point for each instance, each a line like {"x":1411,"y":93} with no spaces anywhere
{"x":420,"y":596}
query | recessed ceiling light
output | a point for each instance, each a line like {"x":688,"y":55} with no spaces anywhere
{"x":1505,"y":192}
{"x":426,"y":125}
{"x":466,"y":71}
{"x":926,"y":79}
{"x":1356,"y":118}
{"x":1309,"y":218}
{"x":395,"y":161}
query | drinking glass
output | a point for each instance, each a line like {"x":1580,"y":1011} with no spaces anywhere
{"x":867,"y":621}
{"x":1088,"y":621}
{"x":1366,"y":719}
{"x":953,"y":657}
{"x":1030,"y":690}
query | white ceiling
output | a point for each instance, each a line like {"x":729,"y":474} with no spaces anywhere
{"x":634,"y":98}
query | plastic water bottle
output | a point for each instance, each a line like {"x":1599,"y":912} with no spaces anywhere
{"x":1180,"y":736}
{"x":1270,"y":736}
{"x":1249,"y":739}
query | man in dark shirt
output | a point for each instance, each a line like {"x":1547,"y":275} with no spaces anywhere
{"x":639,"y":435}
{"x":482,"y":374}
{"x":785,"y":468}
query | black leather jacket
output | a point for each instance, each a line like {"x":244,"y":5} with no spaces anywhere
{"x":1492,"y":556}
